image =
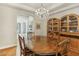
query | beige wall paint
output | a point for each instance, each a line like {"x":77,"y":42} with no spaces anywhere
{"x":43,"y":26}
{"x":7,"y":26}
{"x":8,"y":23}
{"x":37,"y":21}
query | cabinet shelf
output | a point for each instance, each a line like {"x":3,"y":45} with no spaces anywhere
{"x":71,"y":23}
{"x":50,"y":29}
{"x":55,"y":23}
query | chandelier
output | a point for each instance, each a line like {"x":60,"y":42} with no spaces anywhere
{"x":42,"y":11}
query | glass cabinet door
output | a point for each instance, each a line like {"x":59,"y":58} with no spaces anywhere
{"x":73,"y":23}
{"x":64,"y":24}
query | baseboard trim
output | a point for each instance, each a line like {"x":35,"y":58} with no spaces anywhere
{"x":9,"y":46}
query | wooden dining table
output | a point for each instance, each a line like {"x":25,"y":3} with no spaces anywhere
{"x":42,"y":47}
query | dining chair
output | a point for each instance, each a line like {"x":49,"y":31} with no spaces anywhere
{"x":25,"y":51}
{"x":63,"y":45}
{"x":22,"y":45}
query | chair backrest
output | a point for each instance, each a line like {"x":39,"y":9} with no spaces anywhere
{"x":21,"y":42}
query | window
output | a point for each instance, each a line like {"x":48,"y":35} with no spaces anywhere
{"x":24,"y":25}
{"x":24,"y":28}
{"x":30,"y":24}
{"x":19,"y":28}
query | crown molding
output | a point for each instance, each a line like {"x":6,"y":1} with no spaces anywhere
{"x":64,"y":9}
{"x":51,"y":11}
{"x":20,"y":6}
{"x":55,"y":6}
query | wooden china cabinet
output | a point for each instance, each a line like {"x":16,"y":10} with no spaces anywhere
{"x":53,"y":28}
{"x":64,"y":30}
{"x":50,"y":29}
{"x":70,"y":30}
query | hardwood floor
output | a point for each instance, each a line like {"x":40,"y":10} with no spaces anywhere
{"x":8,"y":51}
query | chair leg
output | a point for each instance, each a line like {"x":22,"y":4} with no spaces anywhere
{"x":20,"y":53}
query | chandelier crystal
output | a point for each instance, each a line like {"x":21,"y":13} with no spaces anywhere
{"x":42,"y":11}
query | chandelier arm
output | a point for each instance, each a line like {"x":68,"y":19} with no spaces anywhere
{"x":42,"y":11}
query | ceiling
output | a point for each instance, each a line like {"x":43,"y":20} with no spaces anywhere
{"x":52,"y":7}
{"x":48,"y":6}
{"x":38,"y":5}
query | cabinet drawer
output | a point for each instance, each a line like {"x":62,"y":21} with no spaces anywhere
{"x":72,"y":53}
{"x":74,"y":43}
